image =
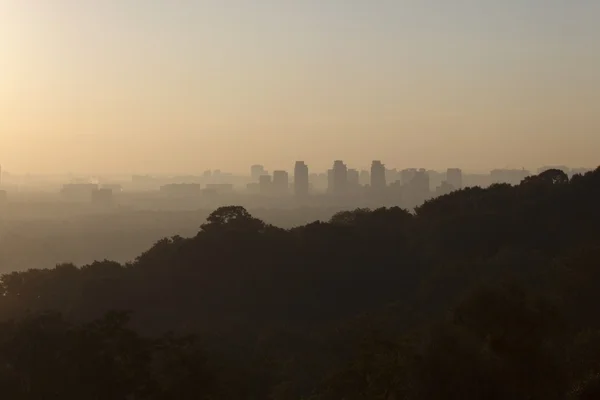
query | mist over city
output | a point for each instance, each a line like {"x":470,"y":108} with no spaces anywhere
{"x":82,"y":218}
{"x":311,"y":200}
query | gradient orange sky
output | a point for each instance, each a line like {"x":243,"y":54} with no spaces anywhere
{"x":130,"y":86}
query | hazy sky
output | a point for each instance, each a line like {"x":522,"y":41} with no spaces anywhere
{"x":184,"y":85}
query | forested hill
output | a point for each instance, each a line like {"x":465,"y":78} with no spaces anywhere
{"x":497,"y":282}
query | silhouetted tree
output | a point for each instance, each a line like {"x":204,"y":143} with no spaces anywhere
{"x":232,"y":218}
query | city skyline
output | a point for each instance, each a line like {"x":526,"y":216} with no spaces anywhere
{"x":267,"y":171}
{"x":256,"y":170}
{"x":134,"y":86}
{"x":340,"y":186}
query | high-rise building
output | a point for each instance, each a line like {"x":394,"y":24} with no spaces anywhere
{"x":444,"y":189}
{"x":318,"y":181}
{"x":391,"y":175}
{"x":407,"y":175}
{"x":256,"y":171}
{"x":378,"y":178}
{"x":365,"y":178}
{"x":353,"y":178}
{"x":420,"y":183}
{"x":301,"y":182}
{"x":265,"y":185}
{"x":281,"y":183}
{"x":330,"y":183}
{"x":340,"y":178}
{"x":454,"y":177}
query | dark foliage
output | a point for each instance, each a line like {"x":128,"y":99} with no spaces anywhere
{"x":479,"y":294}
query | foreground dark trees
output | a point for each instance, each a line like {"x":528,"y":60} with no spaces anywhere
{"x":483,"y":294}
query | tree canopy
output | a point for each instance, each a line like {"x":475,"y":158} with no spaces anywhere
{"x":481,"y":294}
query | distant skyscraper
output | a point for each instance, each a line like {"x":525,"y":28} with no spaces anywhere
{"x":454,"y":177}
{"x":391,"y":175}
{"x":330,"y":183}
{"x":407,"y":175}
{"x":365,"y":178}
{"x":378,"y":179}
{"x":340,"y":178}
{"x":444,"y":189}
{"x":281,"y":182}
{"x":353,"y":178}
{"x":301,"y":179}
{"x":420,"y":183}
{"x":256,"y":171}
{"x":265,"y":184}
